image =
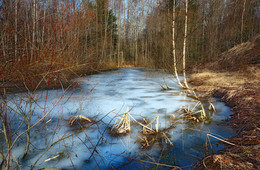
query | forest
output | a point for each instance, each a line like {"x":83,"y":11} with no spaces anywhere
{"x":67,"y":66}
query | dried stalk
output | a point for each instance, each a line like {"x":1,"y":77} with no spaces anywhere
{"x":211,"y":107}
{"x":54,"y":157}
{"x":167,"y":139}
{"x":123,"y":126}
{"x":72,"y":120}
{"x":221,"y":140}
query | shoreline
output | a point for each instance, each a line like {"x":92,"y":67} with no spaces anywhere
{"x":244,"y":99}
{"x":19,"y":87}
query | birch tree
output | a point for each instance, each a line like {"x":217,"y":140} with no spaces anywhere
{"x":173,"y":45}
{"x":185,"y":84}
{"x":184,"y":46}
{"x":119,"y":31}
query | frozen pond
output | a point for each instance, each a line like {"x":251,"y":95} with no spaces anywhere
{"x":102,"y":98}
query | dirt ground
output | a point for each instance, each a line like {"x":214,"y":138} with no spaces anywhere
{"x":239,"y":87}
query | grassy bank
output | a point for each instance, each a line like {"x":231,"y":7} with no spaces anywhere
{"x":235,"y":78}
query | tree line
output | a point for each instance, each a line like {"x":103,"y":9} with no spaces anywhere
{"x":54,"y":34}
{"x":212,"y":28}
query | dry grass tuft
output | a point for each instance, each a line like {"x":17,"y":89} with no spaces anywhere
{"x":195,"y":114}
{"x":122,"y":125}
{"x":148,"y":140}
{"x":79,"y":117}
{"x":148,"y":135}
{"x":148,"y":128}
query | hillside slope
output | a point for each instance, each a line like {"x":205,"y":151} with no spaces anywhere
{"x":239,"y":57}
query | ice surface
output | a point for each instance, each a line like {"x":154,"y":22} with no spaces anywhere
{"x":103,"y":97}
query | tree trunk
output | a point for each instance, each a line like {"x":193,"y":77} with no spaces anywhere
{"x":184,"y":46}
{"x":242,"y":22}
{"x":143,"y":32}
{"x":119,"y":32}
{"x":33,"y":29}
{"x":135,"y":35}
{"x":173,"y":45}
{"x":15,"y":35}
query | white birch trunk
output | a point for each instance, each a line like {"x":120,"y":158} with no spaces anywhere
{"x":173,"y":45}
{"x":184,"y":46}
{"x":119,"y":33}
